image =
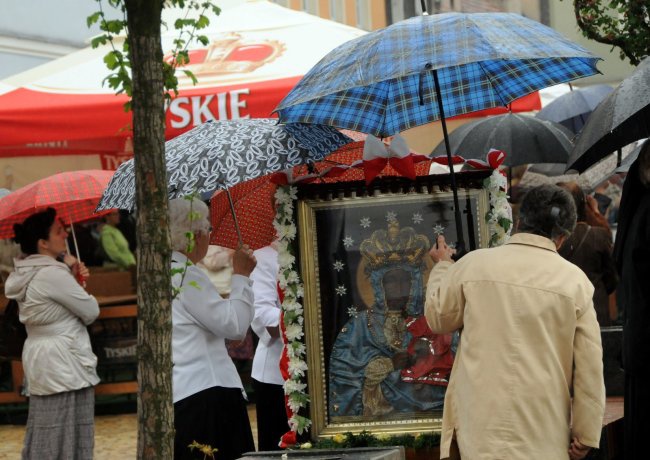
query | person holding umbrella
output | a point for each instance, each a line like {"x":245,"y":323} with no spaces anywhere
{"x":527,"y":381}
{"x":59,"y":365}
{"x":209,"y":400}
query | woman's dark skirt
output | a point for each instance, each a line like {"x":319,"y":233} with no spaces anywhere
{"x":216,"y":417}
{"x":61,"y":425}
{"x":271,"y":413}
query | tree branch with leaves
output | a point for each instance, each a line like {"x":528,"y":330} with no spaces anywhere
{"x":624,"y":24}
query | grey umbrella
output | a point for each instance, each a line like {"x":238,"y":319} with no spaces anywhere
{"x":220,"y":154}
{"x":622,"y":118}
{"x":572,"y":109}
{"x":524,"y":140}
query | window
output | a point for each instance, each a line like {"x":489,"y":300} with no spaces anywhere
{"x":337,"y":10}
{"x":364,"y":17}
{"x":310,"y":6}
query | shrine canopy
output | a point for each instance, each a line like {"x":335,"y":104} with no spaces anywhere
{"x":258,"y":51}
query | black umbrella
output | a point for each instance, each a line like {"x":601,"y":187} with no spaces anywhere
{"x":548,"y":169}
{"x":572,"y":109}
{"x":622,"y":118}
{"x":524,"y":140}
{"x":631,"y":158}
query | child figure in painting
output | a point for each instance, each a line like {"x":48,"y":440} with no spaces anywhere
{"x":431,"y":354}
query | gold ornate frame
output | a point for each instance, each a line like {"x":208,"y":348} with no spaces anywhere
{"x":310,"y":211}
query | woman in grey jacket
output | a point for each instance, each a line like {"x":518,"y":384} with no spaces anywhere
{"x":57,"y":357}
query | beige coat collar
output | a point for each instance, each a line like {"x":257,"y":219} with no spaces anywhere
{"x":530,"y":239}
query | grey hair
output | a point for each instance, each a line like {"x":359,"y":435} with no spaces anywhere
{"x":187,"y":215}
{"x":644,"y":164}
{"x":547,"y":210}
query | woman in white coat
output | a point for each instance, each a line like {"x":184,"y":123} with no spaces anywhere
{"x":209,"y":400}
{"x":57,"y":357}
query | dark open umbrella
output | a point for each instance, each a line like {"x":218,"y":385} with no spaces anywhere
{"x":631,"y":158}
{"x":573,"y":108}
{"x":427,"y":68}
{"x":620,"y":119}
{"x":524,"y":140}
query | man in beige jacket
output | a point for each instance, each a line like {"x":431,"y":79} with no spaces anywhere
{"x":529,"y":342}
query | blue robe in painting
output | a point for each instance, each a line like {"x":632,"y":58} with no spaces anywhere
{"x":361,"y":341}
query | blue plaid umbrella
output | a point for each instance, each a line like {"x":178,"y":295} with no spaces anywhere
{"x":383,"y":82}
{"x":430,"y":67}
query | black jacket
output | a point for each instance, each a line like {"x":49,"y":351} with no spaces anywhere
{"x":632,"y":255}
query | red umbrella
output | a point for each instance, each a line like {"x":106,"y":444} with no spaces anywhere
{"x":74,"y":195}
{"x":253,"y":200}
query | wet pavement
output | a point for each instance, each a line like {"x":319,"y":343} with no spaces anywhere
{"x":116,"y":437}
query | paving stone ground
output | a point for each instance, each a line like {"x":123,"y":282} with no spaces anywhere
{"x":115,"y":437}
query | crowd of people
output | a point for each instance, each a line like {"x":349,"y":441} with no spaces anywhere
{"x":526,"y":382}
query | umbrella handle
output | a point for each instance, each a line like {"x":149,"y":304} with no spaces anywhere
{"x":74,"y":239}
{"x":460,"y":244}
{"x":234,"y":217}
{"x":79,"y":277}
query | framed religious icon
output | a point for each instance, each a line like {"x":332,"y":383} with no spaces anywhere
{"x":373,"y":362}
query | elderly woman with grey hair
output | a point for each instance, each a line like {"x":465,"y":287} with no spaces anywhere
{"x":209,"y":400}
{"x":529,"y":341}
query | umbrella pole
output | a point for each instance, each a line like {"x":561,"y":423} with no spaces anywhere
{"x":234,"y":217}
{"x":460,"y":249}
{"x":619,"y":157}
{"x":74,"y":239}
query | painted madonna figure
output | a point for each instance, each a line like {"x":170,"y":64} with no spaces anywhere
{"x":383,"y":362}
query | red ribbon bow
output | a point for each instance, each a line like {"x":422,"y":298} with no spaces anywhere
{"x":376,"y":156}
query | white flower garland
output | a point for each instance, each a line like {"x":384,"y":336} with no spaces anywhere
{"x":289,"y":282}
{"x":499,"y":216}
{"x":499,"y":220}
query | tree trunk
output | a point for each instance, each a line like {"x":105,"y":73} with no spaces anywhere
{"x":155,"y":408}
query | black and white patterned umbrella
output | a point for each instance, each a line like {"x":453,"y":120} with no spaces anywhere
{"x":220,"y":154}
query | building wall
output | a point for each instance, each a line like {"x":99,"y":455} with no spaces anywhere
{"x":613,"y":70}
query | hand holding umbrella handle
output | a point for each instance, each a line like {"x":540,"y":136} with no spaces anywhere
{"x":243,"y":261}
{"x":78,"y":269}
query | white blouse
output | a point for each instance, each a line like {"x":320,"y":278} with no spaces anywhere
{"x":202,"y":320}
{"x":266,"y":363}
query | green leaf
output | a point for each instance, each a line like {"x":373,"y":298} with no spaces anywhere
{"x":195,"y":285}
{"x":112,"y":60}
{"x":191,"y":76}
{"x":114,"y":26}
{"x":505,"y":223}
{"x":93,"y":18}
{"x":182,"y":58}
{"x":202,"y":22}
{"x":203,"y":40}
{"x":99,"y":40}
